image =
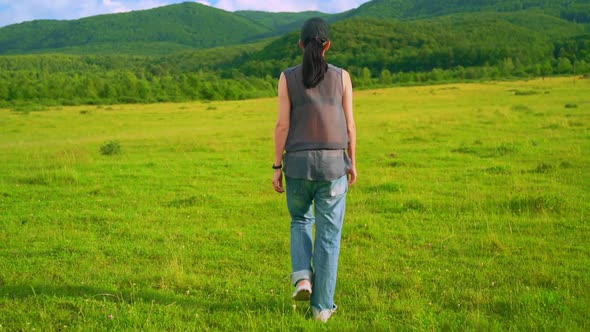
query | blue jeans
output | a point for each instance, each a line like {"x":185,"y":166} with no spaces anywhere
{"x":322,"y":203}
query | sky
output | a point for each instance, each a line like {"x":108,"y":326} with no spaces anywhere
{"x":16,"y":11}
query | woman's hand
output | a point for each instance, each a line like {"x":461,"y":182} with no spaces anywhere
{"x":351,"y":175}
{"x":277,"y":181}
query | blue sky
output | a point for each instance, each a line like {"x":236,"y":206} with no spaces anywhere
{"x":16,"y":11}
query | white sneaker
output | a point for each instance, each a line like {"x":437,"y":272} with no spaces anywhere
{"x":302,"y":291}
{"x":323,"y":315}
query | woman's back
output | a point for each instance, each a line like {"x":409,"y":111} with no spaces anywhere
{"x":317,"y":116}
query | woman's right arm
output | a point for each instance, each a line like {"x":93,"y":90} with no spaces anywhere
{"x":350,"y":125}
{"x":281,"y":131}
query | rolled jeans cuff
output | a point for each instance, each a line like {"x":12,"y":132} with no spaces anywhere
{"x":299,"y":275}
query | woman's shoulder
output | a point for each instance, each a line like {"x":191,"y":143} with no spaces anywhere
{"x":337,"y":69}
{"x":342,"y":74}
{"x":291,"y":69}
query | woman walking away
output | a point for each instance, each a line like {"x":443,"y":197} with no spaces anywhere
{"x":315,"y":146}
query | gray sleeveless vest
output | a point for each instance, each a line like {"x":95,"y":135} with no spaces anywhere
{"x":317,"y":116}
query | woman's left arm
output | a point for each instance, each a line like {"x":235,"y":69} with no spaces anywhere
{"x":350,"y":125}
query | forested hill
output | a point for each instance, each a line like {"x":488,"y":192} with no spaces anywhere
{"x":482,"y":39}
{"x":171,"y":28}
{"x":413,"y":9}
{"x":167,"y":53}
{"x":280,"y":23}
{"x":190,"y":25}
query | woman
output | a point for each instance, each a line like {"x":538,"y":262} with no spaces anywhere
{"x":315,"y":145}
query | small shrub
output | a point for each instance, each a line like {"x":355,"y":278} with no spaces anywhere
{"x":84,"y":112}
{"x":498,"y":170}
{"x":566,"y":164}
{"x":414,"y":139}
{"x":185,"y":202}
{"x":531,"y":204}
{"x":571,"y":105}
{"x":525,"y":92}
{"x":504,"y":149}
{"x":28,"y":107}
{"x":521,"y":108}
{"x":110,"y":148}
{"x":396,"y":164}
{"x":413,"y":204}
{"x":465,"y":149}
{"x":542,"y":168}
{"x":553,"y":126}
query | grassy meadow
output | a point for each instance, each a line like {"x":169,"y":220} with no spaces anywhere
{"x":470,"y":213}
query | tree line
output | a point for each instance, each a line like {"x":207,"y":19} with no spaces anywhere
{"x":377,"y":53}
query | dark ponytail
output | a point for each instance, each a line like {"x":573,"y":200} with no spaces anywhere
{"x":314,"y":64}
{"x":315,"y":35}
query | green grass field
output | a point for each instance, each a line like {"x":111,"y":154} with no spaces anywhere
{"x":471,"y":213}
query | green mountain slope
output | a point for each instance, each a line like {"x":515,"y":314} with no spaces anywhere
{"x":119,"y":59}
{"x":412,"y":9}
{"x":474,"y":39}
{"x":187,"y":25}
{"x":280,"y":23}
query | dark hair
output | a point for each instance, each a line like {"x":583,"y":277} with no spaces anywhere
{"x":314,"y":36}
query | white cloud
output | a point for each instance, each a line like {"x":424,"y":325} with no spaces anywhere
{"x":268,"y":5}
{"x":340,"y":6}
{"x":328,"y":6}
{"x":18,"y":11}
{"x":25,"y":10}
{"x":15,"y":11}
{"x":114,"y":6}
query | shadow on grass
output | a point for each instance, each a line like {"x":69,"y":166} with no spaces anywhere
{"x":208,"y":302}
{"x":129,"y":296}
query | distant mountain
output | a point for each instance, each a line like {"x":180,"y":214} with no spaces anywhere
{"x":120,"y":59}
{"x":181,"y":26}
{"x":465,"y":39}
{"x":190,"y":26}
{"x":280,"y":23}
{"x":413,"y":9}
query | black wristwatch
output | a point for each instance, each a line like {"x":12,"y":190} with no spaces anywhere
{"x":277,"y":166}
